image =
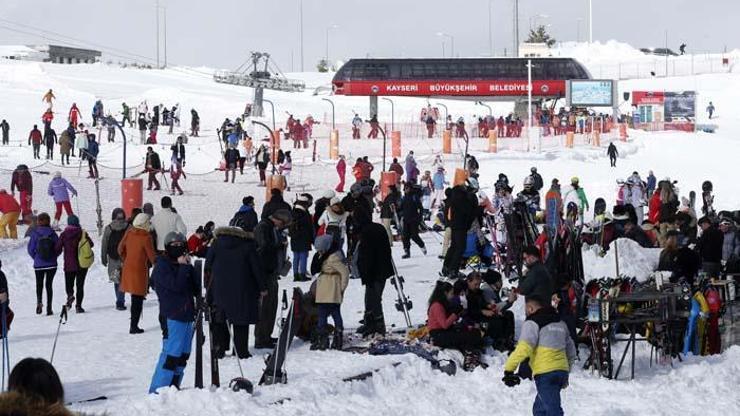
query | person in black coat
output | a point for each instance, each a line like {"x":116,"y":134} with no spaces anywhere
{"x":537,"y":281}
{"x":275,"y":203}
{"x":320,"y":206}
{"x":373,"y":262}
{"x":301,"y":238}
{"x":231,"y":159}
{"x":709,"y":247}
{"x":246,"y":214}
{"x":411,"y":212}
{"x":271,"y":246}
{"x":178,"y":151}
{"x":152,"y":166}
{"x":538,"y":183}
{"x":461,"y":212}
{"x":237,"y":284}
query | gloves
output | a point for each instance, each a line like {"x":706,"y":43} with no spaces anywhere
{"x":511,"y":379}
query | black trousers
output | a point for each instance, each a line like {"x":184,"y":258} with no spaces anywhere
{"x":45,"y":279}
{"x":374,"y":301}
{"x":613,"y":161}
{"x":78,"y":277}
{"x":457,"y":339}
{"x":37,"y":150}
{"x":411,"y":232}
{"x":268,"y":312}
{"x":137,"y":305}
{"x":454,"y":254}
{"x":50,"y":151}
{"x":501,"y":327}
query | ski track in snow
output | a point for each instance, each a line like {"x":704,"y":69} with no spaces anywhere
{"x":96,"y":355}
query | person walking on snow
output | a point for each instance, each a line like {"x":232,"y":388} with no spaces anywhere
{"x":173,"y":278}
{"x":166,"y":221}
{"x":356,"y":126}
{"x":5,"y":130}
{"x":42,"y":249}
{"x":70,"y":241}
{"x":612,"y":152}
{"x":332,"y":281}
{"x":231,"y":159}
{"x":341,"y":172}
{"x":137,"y":253}
{"x":74,"y":114}
{"x":65,"y":145}
{"x":112,"y":236}
{"x":651,"y":182}
{"x":59,"y":190}
{"x":412,"y":171}
{"x":23,"y":182}
{"x":35,"y":138}
{"x":710,"y":110}
{"x":126,"y":112}
{"x":175,"y":173}
{"x":50,"y":140}
{"x":152,"y":166}
{"x":92,"y":157}
{"x":374,"y":125}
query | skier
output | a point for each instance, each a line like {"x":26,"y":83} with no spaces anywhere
{"x":126,"y":112}
{"x":412,"y":214}
{"x":612,"y":153}
{"x":92,"y":156}
{"x":5,"y":129}
{"x":373,"y":127}
{"x":137,"y":254}
{"x":74,"y":114}
{"x":333,"y":278}
{"x":577,"y":196}
{"x":544,"y":340}
{"x":152,"y":166}
{"x":231,"y":159}
{"x":11,"y":211}
{"x":42,"y":249}
{"x":341,"y":172}
{"x":76,"y":244}
{"x":23,"y":182}
{"x":49,"y":98}
{"x":710,"y":110}
{"x":356,"y":126}
{"x":59,"y":190}
{"x":194,"y":123}
{"x":301,"y":237}
{"x":36,"y":139}
{"x":173,"y":278}
{"x":109,"y":257}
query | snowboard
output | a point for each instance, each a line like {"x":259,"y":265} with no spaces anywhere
{"x":274,"y":372}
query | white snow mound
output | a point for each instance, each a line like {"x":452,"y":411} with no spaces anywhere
{"x":634,"y":261}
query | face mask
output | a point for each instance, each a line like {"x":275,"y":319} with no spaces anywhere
{"x":175,"y":250}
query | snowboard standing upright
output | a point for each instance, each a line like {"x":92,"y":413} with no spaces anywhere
{"x":274,"y":364}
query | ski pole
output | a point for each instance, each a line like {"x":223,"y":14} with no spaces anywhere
{"x":62,"y":321}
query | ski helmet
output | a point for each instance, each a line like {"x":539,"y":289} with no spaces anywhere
{"x":707,"y":186}
{"x":528,"y":182}
{"x":175,"y":244}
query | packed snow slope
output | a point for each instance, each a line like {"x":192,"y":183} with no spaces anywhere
{"x":96,"y":355}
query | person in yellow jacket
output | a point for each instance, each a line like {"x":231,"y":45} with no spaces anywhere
{"x":546,"y":342}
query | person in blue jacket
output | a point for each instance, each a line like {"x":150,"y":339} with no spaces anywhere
{"x":173,"y":278}
{"x":42,"y":249}
{"x":92,"y":156}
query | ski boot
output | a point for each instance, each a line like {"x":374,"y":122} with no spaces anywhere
{"x":337,"y":341}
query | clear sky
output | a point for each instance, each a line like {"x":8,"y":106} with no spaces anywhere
{"x":220,"y":33}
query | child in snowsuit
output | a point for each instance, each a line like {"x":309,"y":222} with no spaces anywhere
{"x":174,"y":280}
{"x":546,"y":342}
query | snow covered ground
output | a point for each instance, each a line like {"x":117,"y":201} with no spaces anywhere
{"x":96,"y":355}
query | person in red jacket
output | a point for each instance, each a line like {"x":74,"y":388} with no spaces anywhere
{"x":654,"y":208}
{"x":197,"y":243}
{"x":10,"y":211}
{"x":341,"y":171}
{"x":442,"y":314}
{"x":35,"y":138}
{"x":74,"y":114}
{"x":23,"y":183}
{"x":357,"y":169}
{"x":500,"y":126}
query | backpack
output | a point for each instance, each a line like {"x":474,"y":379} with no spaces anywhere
{"x":85,"y":255}
{"x":45,"y":248}
{"x":114,"y":239}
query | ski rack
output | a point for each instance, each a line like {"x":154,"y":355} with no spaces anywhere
{"x":403,"y":303}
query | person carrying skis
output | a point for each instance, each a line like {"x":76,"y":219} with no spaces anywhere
{"x":59,"y":190}
{"x":333,"y":278}
{"x":22,"y":181}
{"x":173,"y":278}
{"x":613,"y":153}
{"x":576,"y":195}
{"x":10,"y":211}
{"x":356,"y":126}
{"x":42,"y":249}
{"x":341,"y":172}
{"x":5,"y":130}
{"x":152,"y":166}
{"x":544,"y":340}
{"x":74,"y":114}
{"x":710,"y":110}
{"x":109,"y":257}
{"x":35,"y":138}
{"x":75,"y":242}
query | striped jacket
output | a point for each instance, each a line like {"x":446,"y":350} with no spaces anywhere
{"x":546,"y":341}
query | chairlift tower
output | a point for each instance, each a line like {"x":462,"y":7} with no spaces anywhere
{"x":261,"y":76}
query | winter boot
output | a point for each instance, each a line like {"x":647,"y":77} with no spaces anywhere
{"x":406,"y":254}
{"x":39,"y":308}
{"x":378,"y":327}
{"x":79,"y":309}
{"x":70,"y":301}
{"x":424,"y":250}
{"x":337,"y":341}
{"x":367,"y":325}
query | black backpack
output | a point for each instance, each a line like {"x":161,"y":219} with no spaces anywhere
{"x":45,"y":248}
{"x":113,"y":241}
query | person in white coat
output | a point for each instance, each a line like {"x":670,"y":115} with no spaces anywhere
{"x":167,"y":221}
{"x":635,"y":195}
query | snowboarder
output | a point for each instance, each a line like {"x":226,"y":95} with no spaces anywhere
{"x":341,"y":172}
{"x":152,"y":166}
{"x":112,"y":236}
{"x":75,"y":243}
{"x":23,"y":182}
{"x":42,"y":249}
{"x":35,"y":138}
{"x":544,"y":340}
{"x":612,"y":152}
{"x":173,"y":278}
{"x":59,"y":190}
{"x":5,"y":130}
{"x":710,"y":110}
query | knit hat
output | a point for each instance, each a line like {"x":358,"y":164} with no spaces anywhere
{"x":73,"y":220}
{"x":148,"y":209}
{"x":329,"y":194}
{"x":142,"y":221}
{"x":323,"y":243}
